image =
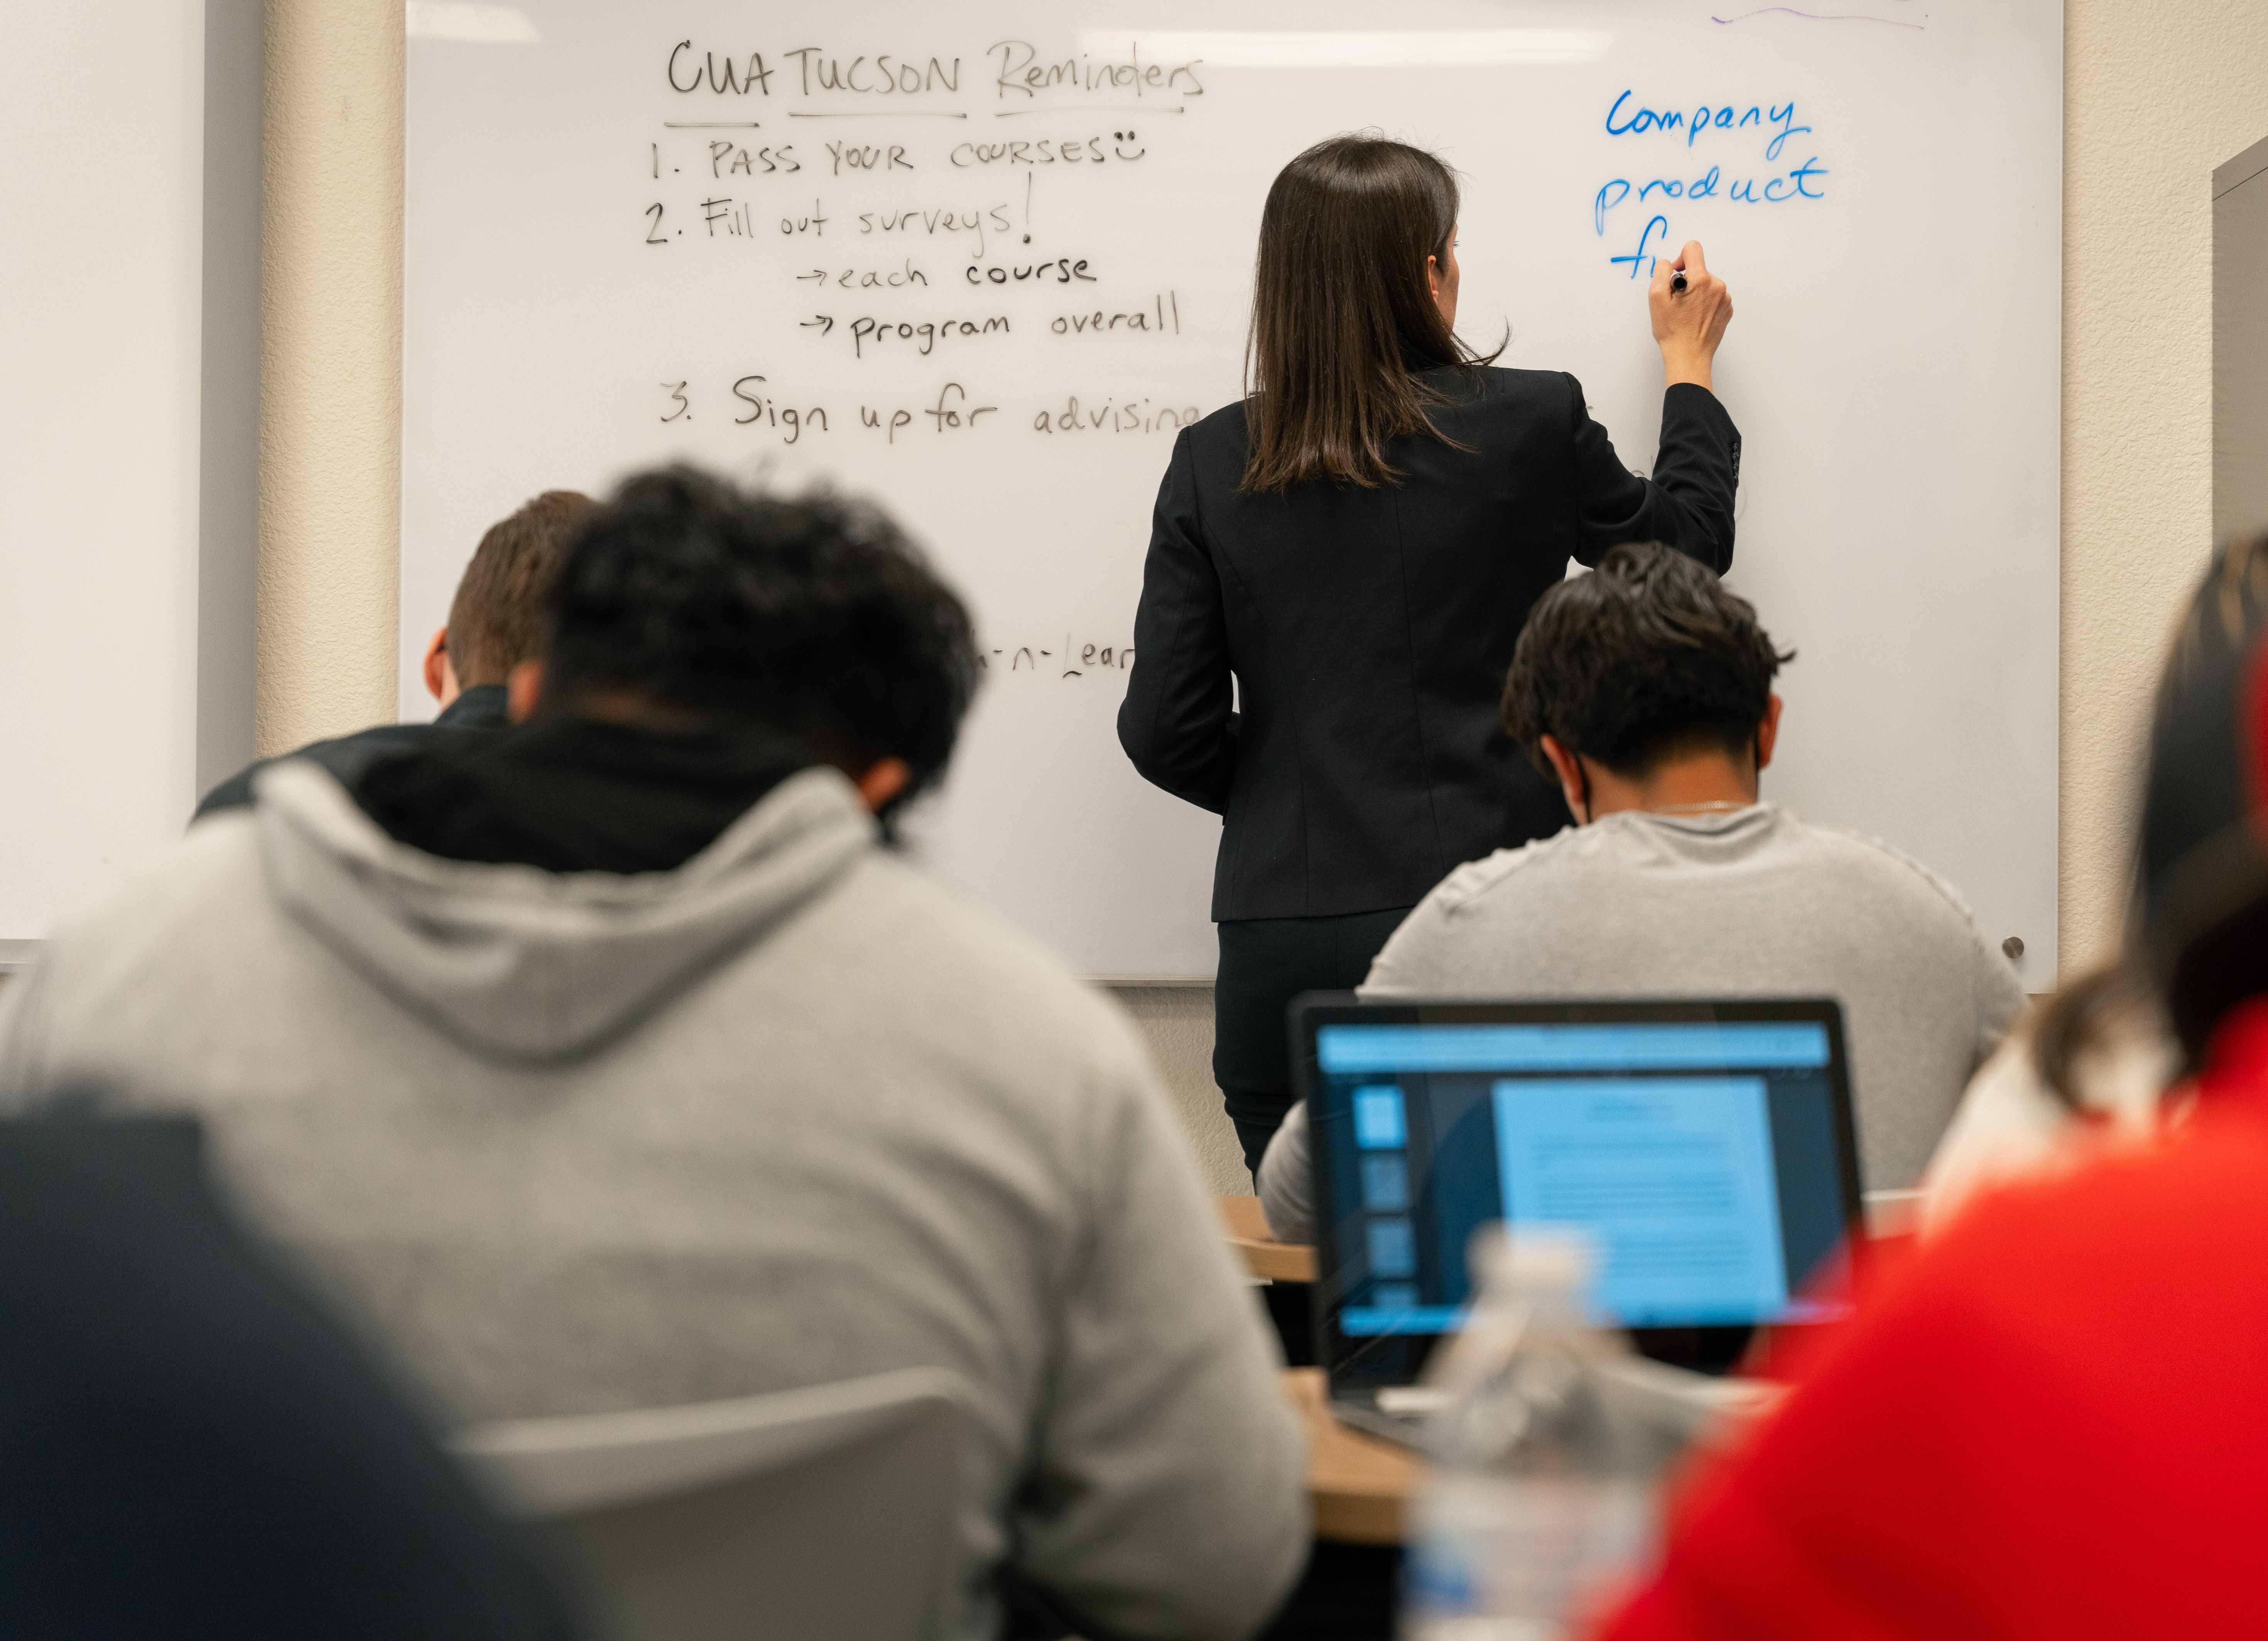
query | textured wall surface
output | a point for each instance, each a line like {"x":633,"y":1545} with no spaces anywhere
{"x":1177,"y":1021}
{"x":2156,"y":93}
{"x":330,"y":368}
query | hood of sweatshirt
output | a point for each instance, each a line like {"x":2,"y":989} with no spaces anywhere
{"x":516,"y":963}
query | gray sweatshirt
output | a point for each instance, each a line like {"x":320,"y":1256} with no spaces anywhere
{"x":1748,"y":902}
{"x":789,"y":1113}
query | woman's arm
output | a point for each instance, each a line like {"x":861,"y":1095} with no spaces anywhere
{"x":1176,"y":722}
{"x":1688,"y":501}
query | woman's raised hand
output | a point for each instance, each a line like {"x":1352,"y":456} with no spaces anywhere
{"x":1690,"y":323}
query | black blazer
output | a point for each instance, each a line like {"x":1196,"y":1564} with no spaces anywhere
{"x":1369,"y":632}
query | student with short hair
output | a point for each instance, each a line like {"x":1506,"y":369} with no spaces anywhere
{"x":494,"y":623}
{"x":612,"y":1061}
{"x":1645,"y":688}
{"x":2050,"y":1424}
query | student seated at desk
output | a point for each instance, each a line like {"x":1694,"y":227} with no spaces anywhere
{"x":613,"y":1061}
{"x":1645,"y":688}
{"x":494,"y":623}
{"x":2051,"y":1424}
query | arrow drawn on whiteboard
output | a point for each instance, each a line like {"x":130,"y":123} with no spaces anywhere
{"x":824,"y":323}
{"x":817,"y":273}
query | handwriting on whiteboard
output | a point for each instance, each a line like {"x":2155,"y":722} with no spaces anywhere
{"x":751,"y":401}
{"x":1018,"y":70}
{"x":1068,"y":656}
{"x":1668,"y":137}
{"x":887,"y":217}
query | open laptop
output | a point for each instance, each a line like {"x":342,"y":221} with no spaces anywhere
{"x":1707,"y":1148}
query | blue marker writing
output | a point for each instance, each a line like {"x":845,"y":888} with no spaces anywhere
{"x":1639,"y":255}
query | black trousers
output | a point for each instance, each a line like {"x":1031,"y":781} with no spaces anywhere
{"x":1264,"y":963}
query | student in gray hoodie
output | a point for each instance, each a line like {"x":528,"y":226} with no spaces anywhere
{"x":613,"y":1061}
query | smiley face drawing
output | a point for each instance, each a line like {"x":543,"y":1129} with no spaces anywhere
{"x":1123,"y":138}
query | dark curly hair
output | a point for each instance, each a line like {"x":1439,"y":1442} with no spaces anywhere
{"x":1647,"y":656}
{"x":810,"y":618}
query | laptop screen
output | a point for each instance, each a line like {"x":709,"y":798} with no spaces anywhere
{"x":1706,"y":1149}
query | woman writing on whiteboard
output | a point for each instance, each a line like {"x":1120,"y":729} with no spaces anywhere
{"x":1355,"y":545}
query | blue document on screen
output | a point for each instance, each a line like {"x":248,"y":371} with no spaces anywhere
{"x":1672,"y":1177}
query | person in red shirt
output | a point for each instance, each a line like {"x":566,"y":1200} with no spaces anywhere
{"x":2054,"y":1422}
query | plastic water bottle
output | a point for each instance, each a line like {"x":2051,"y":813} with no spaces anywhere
{"x":1540,"y":1505}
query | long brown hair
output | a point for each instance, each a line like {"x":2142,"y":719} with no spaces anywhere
{"x":1342,"y":317}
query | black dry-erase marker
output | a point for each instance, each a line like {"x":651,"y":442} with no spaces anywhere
{"x":1677,"y":281}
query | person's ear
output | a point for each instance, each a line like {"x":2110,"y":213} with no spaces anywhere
{"x":440,"y":677}
{"x":884,"y":779}
{"x":523,"y":691}
{"x":1768,"y":732}
{"x":1570,"y":772}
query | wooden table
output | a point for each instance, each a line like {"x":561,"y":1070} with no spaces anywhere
{"x":1360,"y":1485}
{"x":1262,"y":1255}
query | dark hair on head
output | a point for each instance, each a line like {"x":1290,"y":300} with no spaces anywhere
{"x":2201,"y":912}
{"x":1342,"y":317}
{"x":495,"y":621}
{"x":1647,"y":656}
{"x":810,"y":618}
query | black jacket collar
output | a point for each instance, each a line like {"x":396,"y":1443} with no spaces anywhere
{"x":569,"y":795}
{"x":484,"y":706}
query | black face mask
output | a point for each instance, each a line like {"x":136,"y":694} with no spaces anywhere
{"x":565,"y":794}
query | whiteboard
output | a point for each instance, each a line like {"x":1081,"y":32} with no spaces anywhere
{"x":981,"y":261}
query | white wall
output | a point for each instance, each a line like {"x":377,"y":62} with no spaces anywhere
{"x":102,"y":120}
{"x":2156,"y":95}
